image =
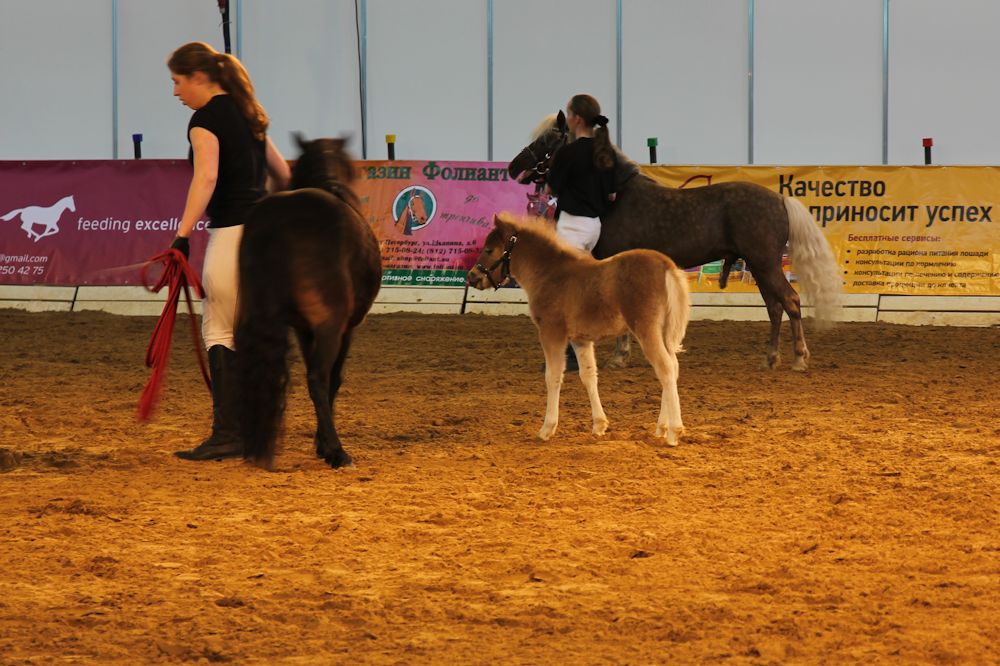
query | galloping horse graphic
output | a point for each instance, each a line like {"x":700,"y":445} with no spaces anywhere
{"x":46,"y":216}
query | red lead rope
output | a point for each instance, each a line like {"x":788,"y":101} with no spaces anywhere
{"x":177,"y":273}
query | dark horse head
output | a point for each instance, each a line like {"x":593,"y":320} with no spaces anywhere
{"x":532,"y":164}
{"x":324,"y":164}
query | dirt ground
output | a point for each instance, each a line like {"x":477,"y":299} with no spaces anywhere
{"x":845,"y":515}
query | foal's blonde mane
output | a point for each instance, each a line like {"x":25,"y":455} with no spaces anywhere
{"x":540,"y":228}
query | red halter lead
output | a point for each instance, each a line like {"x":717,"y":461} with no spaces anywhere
{"x":177,"y":273}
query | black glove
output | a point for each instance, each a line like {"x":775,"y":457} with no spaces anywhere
{"x":181,"y":243}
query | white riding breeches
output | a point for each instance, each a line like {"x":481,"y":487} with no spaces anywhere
{"x":221,"y":278}
{"x":580,"y":232}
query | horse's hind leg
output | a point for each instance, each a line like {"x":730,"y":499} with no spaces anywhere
{"x":29,"y":228}
{"x":623,"y":352}
{"x":324,"y":350}
{"x":336,"y":377}
{"x":664,"y":362}
{"x":588,"y":375}
{"x":782,"y":299}
{"x":774,"y":313}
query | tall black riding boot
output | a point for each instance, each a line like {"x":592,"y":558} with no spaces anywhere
{"x":224,"y":442}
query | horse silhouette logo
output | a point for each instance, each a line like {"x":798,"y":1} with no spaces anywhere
{"x":413,"y":208}
{"x":46,"y":216}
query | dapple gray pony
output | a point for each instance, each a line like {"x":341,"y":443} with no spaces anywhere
{"x":727,"y":221}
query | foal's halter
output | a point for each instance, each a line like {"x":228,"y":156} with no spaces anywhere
{"x":503,"y":262}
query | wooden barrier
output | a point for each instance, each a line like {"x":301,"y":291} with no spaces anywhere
{"x":38,"y":298}
{"x":912,"y":310}
{"x":720,"y":306}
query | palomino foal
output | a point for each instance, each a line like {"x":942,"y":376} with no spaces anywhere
{"x":574,"y":297}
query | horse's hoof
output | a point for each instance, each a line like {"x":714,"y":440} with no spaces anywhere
{"x":546,"y":432}
{"x":770,"y":363}
{"x":338,"y":459}
{"x":671,"y":435}
{"x":800,"y":365}
{"x":600,"y":427}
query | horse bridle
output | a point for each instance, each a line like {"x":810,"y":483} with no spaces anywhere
{"x":542,"y":164}
{"x":503,"y":262}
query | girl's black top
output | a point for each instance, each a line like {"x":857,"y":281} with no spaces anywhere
{"x":242,"y":162}
{"x":581,"y":187}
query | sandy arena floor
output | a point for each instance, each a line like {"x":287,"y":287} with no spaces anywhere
{"x":846,"y":515}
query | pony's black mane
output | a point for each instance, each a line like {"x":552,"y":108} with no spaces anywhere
{"x":316,"y":168}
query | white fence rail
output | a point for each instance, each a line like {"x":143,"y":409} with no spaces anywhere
{"x":914,"y":310}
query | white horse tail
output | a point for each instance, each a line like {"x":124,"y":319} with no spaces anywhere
{"x":11,"y":215}
{"x":678,"y":309}
{"x":812,"y":259}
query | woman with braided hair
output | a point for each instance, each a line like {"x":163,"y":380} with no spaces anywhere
{"x":582,"y":177}
{"x":232,"y":156}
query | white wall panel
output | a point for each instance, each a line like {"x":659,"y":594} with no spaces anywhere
{"x":818,"y":82}
{"x":148,"y":32}
{"x":944,"y":63}
{"x":817,"y":86}
{"x":684,"y":80}
{"x":55,"y":79}
{"x":303,"y":57}
{"x":544,"y":53}
{"x":427,"y":79}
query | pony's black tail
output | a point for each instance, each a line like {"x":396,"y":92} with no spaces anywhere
{"x":262,"y":350}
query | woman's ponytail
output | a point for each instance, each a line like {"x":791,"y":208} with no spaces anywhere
{"x":587,"y":107}
{"x":229,"y":73}
{"x":235,"y":80}
{"x":604,"y":152}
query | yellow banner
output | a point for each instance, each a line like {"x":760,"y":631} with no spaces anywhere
{"x":924,"y":230}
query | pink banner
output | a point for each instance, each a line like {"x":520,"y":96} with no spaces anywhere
{"x":96,"y":222}
{"x":431,"y":217}
{"x":88,"y":222}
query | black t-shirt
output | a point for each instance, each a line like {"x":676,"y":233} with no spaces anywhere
{"x":581,"y":187}
{"x":242,"y":162}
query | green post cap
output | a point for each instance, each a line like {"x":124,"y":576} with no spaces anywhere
{"x":651,"y":142}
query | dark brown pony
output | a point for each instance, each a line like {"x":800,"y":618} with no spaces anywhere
{"x":308,"y":261}
{"x":573,"y":296}
{"x":727,"y":221}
